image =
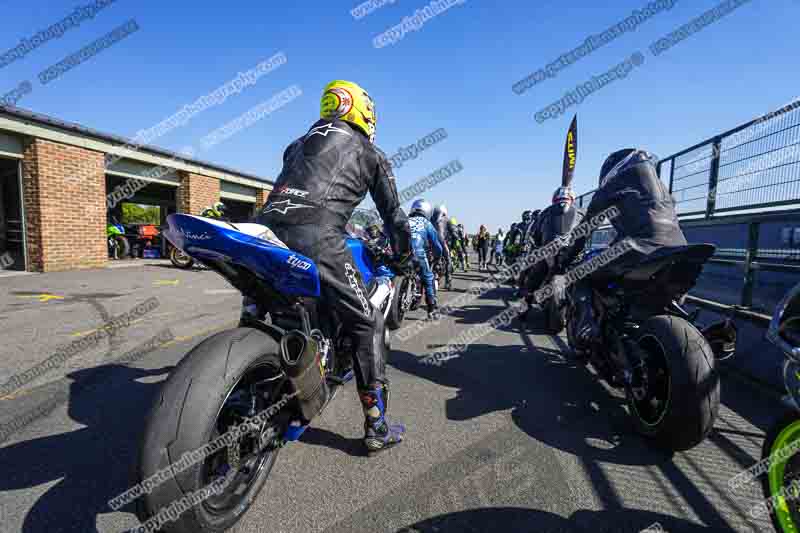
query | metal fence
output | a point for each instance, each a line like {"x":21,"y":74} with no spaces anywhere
{"x":740,"y":190}
{"x":753,"y":166}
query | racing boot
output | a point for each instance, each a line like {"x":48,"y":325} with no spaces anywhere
{"x":432,"y":306}
{"x":587,"y":333}
{"x":378,"y":433}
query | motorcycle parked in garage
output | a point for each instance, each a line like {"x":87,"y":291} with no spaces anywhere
{"x":779,"y":451}
{"x":118,"y":245}
{"x":249,"y":390}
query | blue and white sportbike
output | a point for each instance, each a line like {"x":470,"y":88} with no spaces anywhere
{"x":234,"y":400}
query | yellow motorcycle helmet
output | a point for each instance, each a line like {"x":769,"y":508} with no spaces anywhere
{"x":345,"y":100}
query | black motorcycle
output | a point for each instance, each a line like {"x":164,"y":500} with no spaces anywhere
{"x":651,"y":349}
{"x":649,"y":346}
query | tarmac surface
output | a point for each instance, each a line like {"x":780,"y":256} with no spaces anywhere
{"x":508,"y":436}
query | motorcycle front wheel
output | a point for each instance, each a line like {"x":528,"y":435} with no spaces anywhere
{"x":399,"y":304}
{"x":229,"y":377}
{"x":779,"y":485}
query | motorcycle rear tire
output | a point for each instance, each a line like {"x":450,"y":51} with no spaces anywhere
{"x":121,"y":247}
{"x":183,"y":420}
{"x":693,"y":383}
{"x":180,"y":259}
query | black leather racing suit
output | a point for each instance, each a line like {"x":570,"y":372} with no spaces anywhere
{"x":554,"y":221}
{"x":326,"y":174}
{"x":647,"y":219}
{"x":454,"y":242}
{"x":440,"y":225}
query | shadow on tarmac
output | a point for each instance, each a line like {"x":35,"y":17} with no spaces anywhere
{"x":520,"y":520}
{"x":84,"y":468}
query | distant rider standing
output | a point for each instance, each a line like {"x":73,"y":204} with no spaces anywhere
{"x":440,"y":224}
{"x":423,"y":239}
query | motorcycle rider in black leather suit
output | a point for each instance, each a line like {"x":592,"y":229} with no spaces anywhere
{"x":529,"y":222}
{"x":440,"y":222}
{"x":629,"y":181}
{"x":557,"y":219}
{"x":326,"y":174}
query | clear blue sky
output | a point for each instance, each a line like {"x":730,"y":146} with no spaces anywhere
{"x":455,"y":73}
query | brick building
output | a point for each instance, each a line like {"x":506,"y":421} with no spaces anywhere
{"x":56,"y":178}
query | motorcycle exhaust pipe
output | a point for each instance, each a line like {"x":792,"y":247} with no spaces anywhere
{"x":721,"y":336}
{"x":301,"y":360}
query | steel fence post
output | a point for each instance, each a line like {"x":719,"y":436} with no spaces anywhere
{"x":749,"y":267}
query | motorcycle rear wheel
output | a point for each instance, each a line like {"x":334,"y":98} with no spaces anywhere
{"x":202,"y":399}
{"x":682,"y":397}
{"x":118,"y":247}
{"x":180,"y":259}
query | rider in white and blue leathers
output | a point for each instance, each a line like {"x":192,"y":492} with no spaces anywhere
{"x":423,"y":238}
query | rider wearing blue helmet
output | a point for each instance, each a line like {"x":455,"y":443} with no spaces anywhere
{"x":423,"y":238}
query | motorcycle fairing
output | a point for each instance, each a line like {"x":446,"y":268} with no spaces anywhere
{"x":363,"y":260}
{"x":246,"y":245}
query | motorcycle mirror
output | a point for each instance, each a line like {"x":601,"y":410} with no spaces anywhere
{"x":570,"y":153}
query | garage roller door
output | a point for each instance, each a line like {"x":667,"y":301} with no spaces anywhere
{"x":133,"y":169}
{"x":234,"y":191}
{"x":10,"y":146}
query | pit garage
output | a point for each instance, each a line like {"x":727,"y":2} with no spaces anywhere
{"x":66,"y":189}
{"x":140,"y":197}
{"x":12,"y":228}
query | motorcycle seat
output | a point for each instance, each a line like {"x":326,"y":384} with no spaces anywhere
{"x":692,"y":254}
